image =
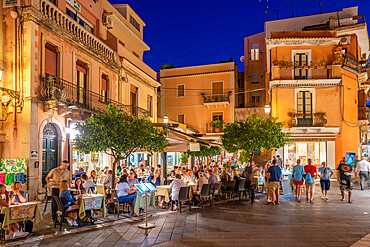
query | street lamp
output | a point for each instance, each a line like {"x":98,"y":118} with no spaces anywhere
{"x":165,"y":119}
{"x":267,"y":109}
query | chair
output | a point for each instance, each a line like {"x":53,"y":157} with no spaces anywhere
{"x":184,"y":197}
{"x":216,"y":192}
{"x":2,"y":231}
{"x":229,"y":188}
{"x":62,"y":212}
{"x":117,"y":204}
{"x":204,"y":193}
{"x":241,"y":189}
{"x":47,"y":197}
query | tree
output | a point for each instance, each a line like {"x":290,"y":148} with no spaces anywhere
{"x":203,"y":152}
{"x":168,"y":66}
{"x":253,"y":134}
{"x":118,"y":134}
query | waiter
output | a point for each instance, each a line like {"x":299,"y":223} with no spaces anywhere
{"x":53,"y":179}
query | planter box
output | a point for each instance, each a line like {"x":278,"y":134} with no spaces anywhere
{"x":290,"y":67}
{"x":321,"y":67}
{"x":329,"y":66}
{"x":282,"y":67}
{"x":311,"y":67}
{"x":306,"y":67}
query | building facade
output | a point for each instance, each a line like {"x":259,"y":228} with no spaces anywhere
{"x":314,"y":66}
{"x":62,"y":61}
{"x":200,"y":96}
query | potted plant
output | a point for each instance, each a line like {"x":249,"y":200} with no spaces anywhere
{"x":321,"y":65}
{"x":290,"y":65}
{"x":297,"y":65}
{"x":217,"y":125}
{"x":283,"y":64}
{"x":311,"y":66}
{"x":275,"y":62}
{"x":204,"y":97}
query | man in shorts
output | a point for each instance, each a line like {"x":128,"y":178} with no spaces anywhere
{"x":274,"y":177}
{"x":344,"y":178}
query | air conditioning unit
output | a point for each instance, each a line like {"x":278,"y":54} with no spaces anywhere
{"x":108,"y":21}
{"x":345,"y":40}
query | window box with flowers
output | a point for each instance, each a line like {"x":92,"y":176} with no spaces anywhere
{"x":217,"y":125}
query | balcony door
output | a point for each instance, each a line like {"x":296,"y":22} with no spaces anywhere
{"x":80,"y":94}
{"x":133,"y":99}
{"x":300,"y":60}
{"x":51,"y":61}
{"x":304,"y":108}
{"x":217,"y":90}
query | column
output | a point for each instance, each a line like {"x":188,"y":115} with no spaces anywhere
{"x":330,"y":155}
{"x":164,"y":167}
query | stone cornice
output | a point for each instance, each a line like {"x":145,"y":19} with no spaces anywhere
{"x":302,"y":42}
{"x":129,"y":68}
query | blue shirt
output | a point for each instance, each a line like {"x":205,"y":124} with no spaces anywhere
{"x":16,"y":199}
{"x":67,"y":198}
{"x":298,"y":173}
{"x":325,"y":173}
{"x":157,"y":181}
{"x":275,"y":173}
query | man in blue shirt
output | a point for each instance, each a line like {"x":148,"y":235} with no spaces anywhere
{"x":274,"y":177}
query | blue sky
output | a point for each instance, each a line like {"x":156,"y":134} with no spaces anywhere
{"x":199,"y":32}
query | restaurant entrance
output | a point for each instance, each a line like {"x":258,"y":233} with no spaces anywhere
{"x":49,"y":150}
{"x":316,"y":151}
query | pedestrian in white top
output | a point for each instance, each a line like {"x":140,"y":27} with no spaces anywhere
{"x":363,"y":168}
{"x":175,"y":188}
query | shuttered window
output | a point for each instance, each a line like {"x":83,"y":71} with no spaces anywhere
{"x":104,"y":88}
{"x":150,"y":105}
{"x":51,"y":60}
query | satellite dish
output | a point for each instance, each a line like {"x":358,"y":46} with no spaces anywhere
{"x":242,"y":59}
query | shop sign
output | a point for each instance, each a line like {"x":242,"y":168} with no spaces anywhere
{"x":10,"y":3}
{"x":34,"y":154}
{"x":74,"y":4}
{"x":303,"y":139}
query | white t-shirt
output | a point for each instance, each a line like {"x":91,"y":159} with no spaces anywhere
{"x":175,"y":188}
{"x":363,"y":166}
{"x":88,"y":184}
{"x":121,"y":187}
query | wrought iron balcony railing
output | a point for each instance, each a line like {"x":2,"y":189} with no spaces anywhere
{"x":210,"y":128}
{"x":214,"y":98}
{"x":73,"y":96}
{"x":307,"y":120}
{"x":354,"y":63}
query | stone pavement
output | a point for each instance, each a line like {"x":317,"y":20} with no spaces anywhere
{"x":325,"y":223}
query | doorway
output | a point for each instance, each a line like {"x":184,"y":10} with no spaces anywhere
{"x":49,"y":150}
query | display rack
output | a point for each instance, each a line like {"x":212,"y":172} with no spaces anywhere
{"x":13,"y":170}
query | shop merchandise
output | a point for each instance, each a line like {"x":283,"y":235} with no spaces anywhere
{"x":13,"y":170}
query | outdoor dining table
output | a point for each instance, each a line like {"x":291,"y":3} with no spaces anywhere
{"x":91,"y":202}
{"x":140,"y":201}
{"x":163,"y":190}
{"x":21,"y":212}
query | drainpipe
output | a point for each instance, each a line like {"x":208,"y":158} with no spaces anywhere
{"x":14,"y":15}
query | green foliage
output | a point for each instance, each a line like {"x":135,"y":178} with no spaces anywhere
{"x":217,"y":124}
{"x":253,"y":134}
{"x":167,"y":66}
{"x":119,"y":134}
{"x":184,"y":157}
{"x":226,"y":61}
{"x":244,"y":156}
{"x":205,"y":151}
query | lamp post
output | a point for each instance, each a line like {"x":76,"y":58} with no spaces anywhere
{"x":165,"y":119}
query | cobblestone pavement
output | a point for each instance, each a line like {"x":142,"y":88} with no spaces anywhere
{"x":324,"y":223}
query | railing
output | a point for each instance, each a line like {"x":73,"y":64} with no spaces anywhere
{"x":211,"y":129}
{"x":73,"y":96}
{"x":307,"y":120}
{"x":354,"y":63}
{"x":65,"y":22}
{"x":216,"y":98}
{"x":306,"y":72}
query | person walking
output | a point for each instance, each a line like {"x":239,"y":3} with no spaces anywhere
{"x":363,"y":169}
{"x":53,"y":179}
{"x":298,"y":175}
{"x":344,"y":178}
{"x":248,"y":175}
{"x":311,"y":174}
{"x":274,"y":176}
{"x":325,"y":173}
{"x":354,"y":167}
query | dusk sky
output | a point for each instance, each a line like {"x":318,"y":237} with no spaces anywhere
{"x":200,"y":32}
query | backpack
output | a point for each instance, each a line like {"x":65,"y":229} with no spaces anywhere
{"x":297,"y":173}
{"x":309,"y":179}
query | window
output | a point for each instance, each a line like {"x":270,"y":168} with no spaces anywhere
{"x":217,"y":88}
{"x":304,"y":108}
{"x":133,"y":98}
{"x":255,"y":99}
{"x":300,"y":59}
{"x":217,"y":116}
{"x":135,"y":23}
{"x":51,"y":60}
{"x":181,"y":118}
{"x":81,"y":80}
{"x":150,"y":105}
{"x":255,"y":76}
{"x":180,"y":90}
{"x":104,"y":89}
{"x":255,"y":52}
{"x":80,"y":21}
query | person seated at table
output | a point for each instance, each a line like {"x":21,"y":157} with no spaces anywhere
{"x":69,"y":202}
{"x":94,"y":176}
{"x":216,"y":170}
{"x":196,"y":172}
{"x":155,"y":178}
{"x":225,"y":176}
{"x":152,"y":171}
{"x":132,"y":180}
{"x":175,"y":189}
{"x":141,"y":167}
{"x":212,"y":180}
{"x":189,"y":178}
{"x":108,"y":180}
{"x":132,"y":170}
{"x":14,"y":227}
{"x":174,"y":171}
{"x":17,"y":195}
{"x":124,"y":191}
{"x":88,"y":183}
{"x":78,"y":185}
{"x":235,"y":176}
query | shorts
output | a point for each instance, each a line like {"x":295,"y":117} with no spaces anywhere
{"x":273,"y":187}
{"x":325,"y":184}
{"x":298,"y":182}
{"x":345,"y":185}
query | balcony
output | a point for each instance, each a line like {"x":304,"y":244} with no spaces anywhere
{"x":307,"y":120}
{"x":216,"y":99}
{"x":306,"y":72}
{"x":76,"y":31}
{"x":57,"y":93}
{"x":211,"y":129}
{"x":355,"y":64}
